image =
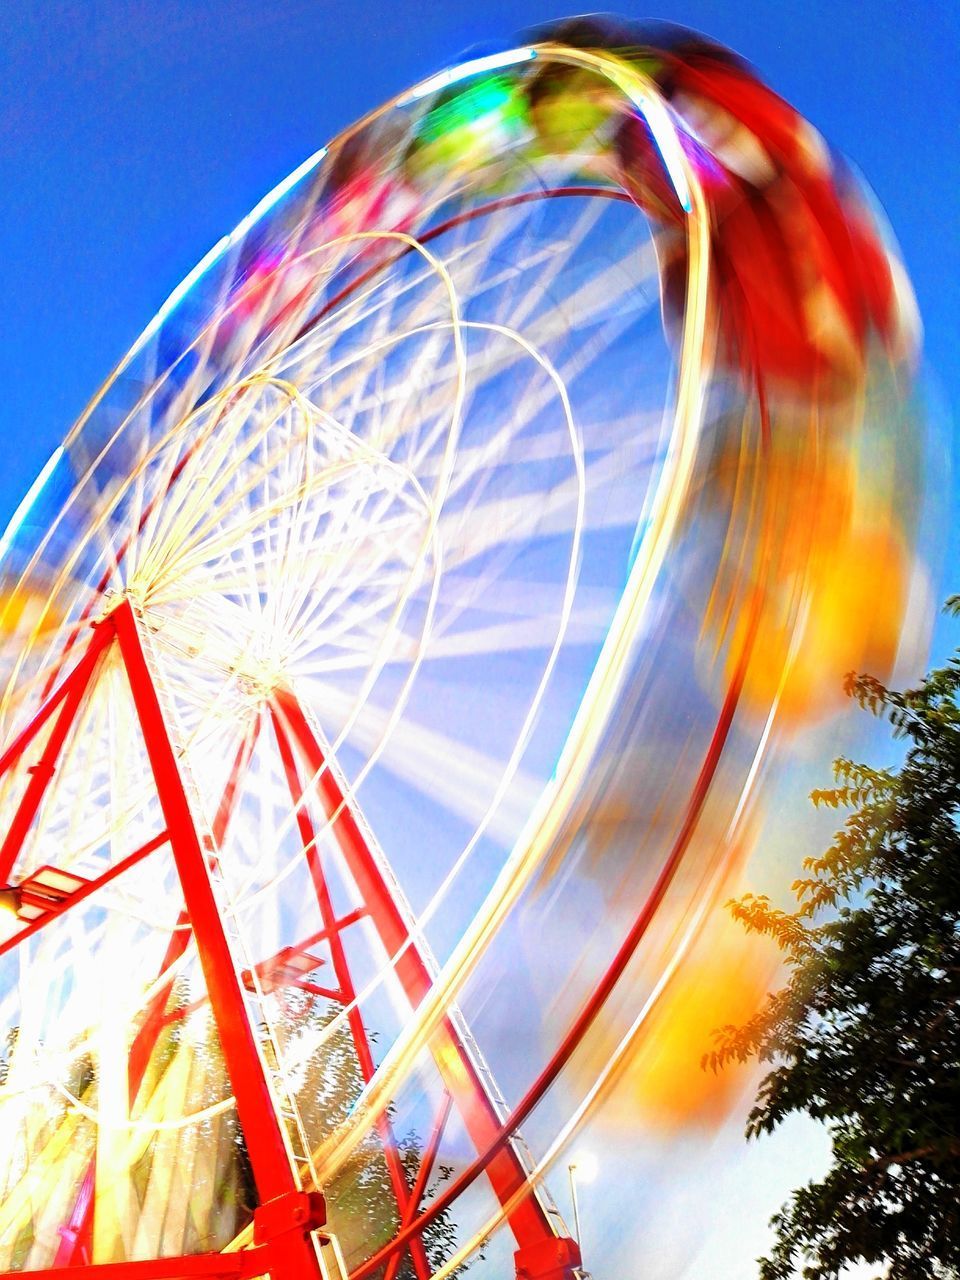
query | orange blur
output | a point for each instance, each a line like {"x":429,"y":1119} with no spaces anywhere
{"x":830,"y":567}
{"x":22,"y":608}
{"x":723,"y":980}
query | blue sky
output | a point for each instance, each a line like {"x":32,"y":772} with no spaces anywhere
{"x":133,"y":135}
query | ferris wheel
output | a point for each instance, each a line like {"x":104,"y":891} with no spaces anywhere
{"x":342,"y":619}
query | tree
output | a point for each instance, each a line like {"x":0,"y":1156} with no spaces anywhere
{"x":222,"y":1197}
{"x":361,"y":1205}
{"x":865,"y":1035}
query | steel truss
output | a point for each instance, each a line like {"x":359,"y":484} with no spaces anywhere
{"x":288,"y":1225}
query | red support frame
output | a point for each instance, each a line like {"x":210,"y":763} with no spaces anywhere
{"x":288,"y":1216}
{"x":346,"y":991}
{"x":293,"y":1255}
{"x":76,"y":1235}
{"x":51,"y":700}
{"x":89,"y":888}
{"x":427,"y":1161}
{"x":527,"y":1217}
{"x":146,"y":1037}
{"x":70,"y":693}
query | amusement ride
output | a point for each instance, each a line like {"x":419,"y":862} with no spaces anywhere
{"x":391,"y":652}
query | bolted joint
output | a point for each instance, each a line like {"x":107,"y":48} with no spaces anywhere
{"x":300,"y":1211}
{"x":42,"y":769}
{"x":555,"y":1259}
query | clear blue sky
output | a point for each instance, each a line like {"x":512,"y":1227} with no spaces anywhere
{"x":134,"y":134}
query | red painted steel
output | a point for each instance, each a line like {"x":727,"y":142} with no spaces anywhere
{"x":91,"y":887}
{"x":50,"y":703}
{"x":76,"y":1236}
{"x":295,"y":1211}
{"x":550,"y":1260}
{"x":347,"y":992}
{"x":527,"y":1218}
{"x":71,"y":696}
{"x":427,"y":1161}
{"x":215,"y":1266}
{"x":146,"y":1038}
{"x":292,"y":1254}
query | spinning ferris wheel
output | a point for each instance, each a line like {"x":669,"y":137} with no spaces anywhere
{"x":328,"y":632}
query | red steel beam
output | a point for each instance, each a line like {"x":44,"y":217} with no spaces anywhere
{"x":527,"y":1218}
{"x":292,"y":1254}
{"x":215,"y":1266}
{"x":85,"y":891}
{"x":146,"y":1038}
{"x":48,"y":706}
{"x":347,"y":993}
{"x":338,"y":926}
{"x":70,"y":694}
{"x":75,"y":1236}
{"x":427,"y":1161}
{"x":325,"y":993}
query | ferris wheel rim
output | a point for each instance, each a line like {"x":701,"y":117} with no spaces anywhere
{"x":645,"y":570}
{"x":628,"y":80}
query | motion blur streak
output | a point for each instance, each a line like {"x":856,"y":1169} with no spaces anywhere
{"x":441,"y":588}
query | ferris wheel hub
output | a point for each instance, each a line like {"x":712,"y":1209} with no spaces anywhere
{"x":113,"y":598}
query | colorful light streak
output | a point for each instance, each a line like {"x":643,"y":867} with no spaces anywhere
{"x":212,"y":256}
{"x":29,"y":498}
{"x":664,"y":131}
{"x":474,"y":67}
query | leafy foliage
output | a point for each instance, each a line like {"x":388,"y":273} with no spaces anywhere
{"x":361,"y":1204}
{"x":865,"y":1035}
{"x":362,"y":1207}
